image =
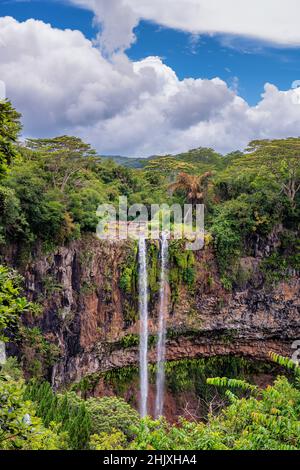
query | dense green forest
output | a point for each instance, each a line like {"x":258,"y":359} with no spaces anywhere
{"x":50,"y":190}
{"x":49,"y":193}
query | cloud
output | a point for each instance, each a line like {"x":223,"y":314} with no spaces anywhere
{"x":117,"y":21}
{"x":272,"y":21}
{"x":62,"y":83}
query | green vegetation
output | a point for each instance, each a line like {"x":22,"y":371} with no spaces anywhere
{"x":182,"y":268}
{"x":186,"y":375}
{"x":49,"y":193}
{"x":121,"y":416}
{"x":38,"y":354}
{"x":10,"y":128}
{"x":263,"y":420}
{"x":20,"y":428}
{"x":129,"y":283}
{"x":33,"y":417}
{"x":67,"y":409}
{"x":128,"y":276}
{"x":12,"y":305}
{"x":269,"y":421}
{"x":50,"y":190}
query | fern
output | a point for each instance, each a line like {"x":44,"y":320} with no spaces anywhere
{"x":232,"y":397}
{"x":285,"y":362}
{"x":232,"y":383}
{"x":276,"y":423}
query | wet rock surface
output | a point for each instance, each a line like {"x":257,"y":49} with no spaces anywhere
{"x":79,"y":287}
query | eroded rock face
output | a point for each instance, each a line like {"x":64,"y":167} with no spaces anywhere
{"x":84,"y":305}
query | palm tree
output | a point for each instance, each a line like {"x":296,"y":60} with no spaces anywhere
{"x":195,"y":187}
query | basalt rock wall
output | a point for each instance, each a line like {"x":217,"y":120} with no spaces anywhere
{"x":85,"y":310}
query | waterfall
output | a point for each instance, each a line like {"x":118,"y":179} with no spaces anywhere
{"x":143,"y":309}
{"x":161,"y":346}
{"x":2,"y":353}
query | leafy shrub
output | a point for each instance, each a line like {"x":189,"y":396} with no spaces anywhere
{"x":121,"y":417}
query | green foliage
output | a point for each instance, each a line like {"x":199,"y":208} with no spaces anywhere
{"x":231,"y":383}
{"x":129,"y":341}
{"x":10,"y":128}
{"x":153,"y":269}
{"x":54,"y":187}
{"x":120,"y":417}
{"x":281,"y":157}
{"x":119,"y":379}
{"x":67,"y":409}
{"x":236,"y":224}
{"x":128,"y":283}
{"x":83,"y":418}
{"x":268,"y":419}
{"x":190,"y":375}
{"x":12,"y":221}
{"x":38,"y":354}
{"x":12,"y":305}
{"x":128,"y":276}
{"x":11,"y":368}
{"x":282,"y":263}
{"x":114,"y":440}
{"x":181,"y":267}
{"x":20,"y":429}
{"x":286,"y":363}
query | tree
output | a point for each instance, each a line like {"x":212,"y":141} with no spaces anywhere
{"x":64,"y":158}
{"x":12,"y":220}
{"x":67,"y":409}
{"x":78,"y":427}
{"x":169,"y":165}
{"x":12,"y":305}
{"x":202,"y":158}
{"x":10,"y":129}
{"x":114,"y":440}
{"x":282,"y":160}
{"x":19,"y":426}
{"x":121,"y":415}
{"x":195,"y":187}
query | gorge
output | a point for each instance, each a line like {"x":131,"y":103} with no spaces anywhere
{"x":90,"y":314}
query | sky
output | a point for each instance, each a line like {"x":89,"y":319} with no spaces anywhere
{"x":140,"y":77}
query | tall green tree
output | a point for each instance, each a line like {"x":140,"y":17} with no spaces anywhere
{"x":10,"y":128}
{"x":281,"y":157}
{"x":65,"y":158}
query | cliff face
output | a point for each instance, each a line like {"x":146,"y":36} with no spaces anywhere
{"x":86,"y":311}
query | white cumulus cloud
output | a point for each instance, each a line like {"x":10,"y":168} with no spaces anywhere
{"x":274,"y":21}
{"x":62,"y":84}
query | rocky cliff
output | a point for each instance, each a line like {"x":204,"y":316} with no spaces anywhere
{"x":90,"y":309}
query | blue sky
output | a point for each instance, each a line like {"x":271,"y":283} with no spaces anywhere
{"x":155,"y":77}
{"x":251,"y":62}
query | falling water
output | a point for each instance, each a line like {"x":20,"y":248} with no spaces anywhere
{"x":161,"y":346}
{"x":143,"y":308}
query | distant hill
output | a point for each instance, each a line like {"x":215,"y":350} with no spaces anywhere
{"x":128,"y":162}
{"x":200,"y":157}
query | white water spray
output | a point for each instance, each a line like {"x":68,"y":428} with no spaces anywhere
{"x":161,"y":346}
{"x":143,"y":309}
